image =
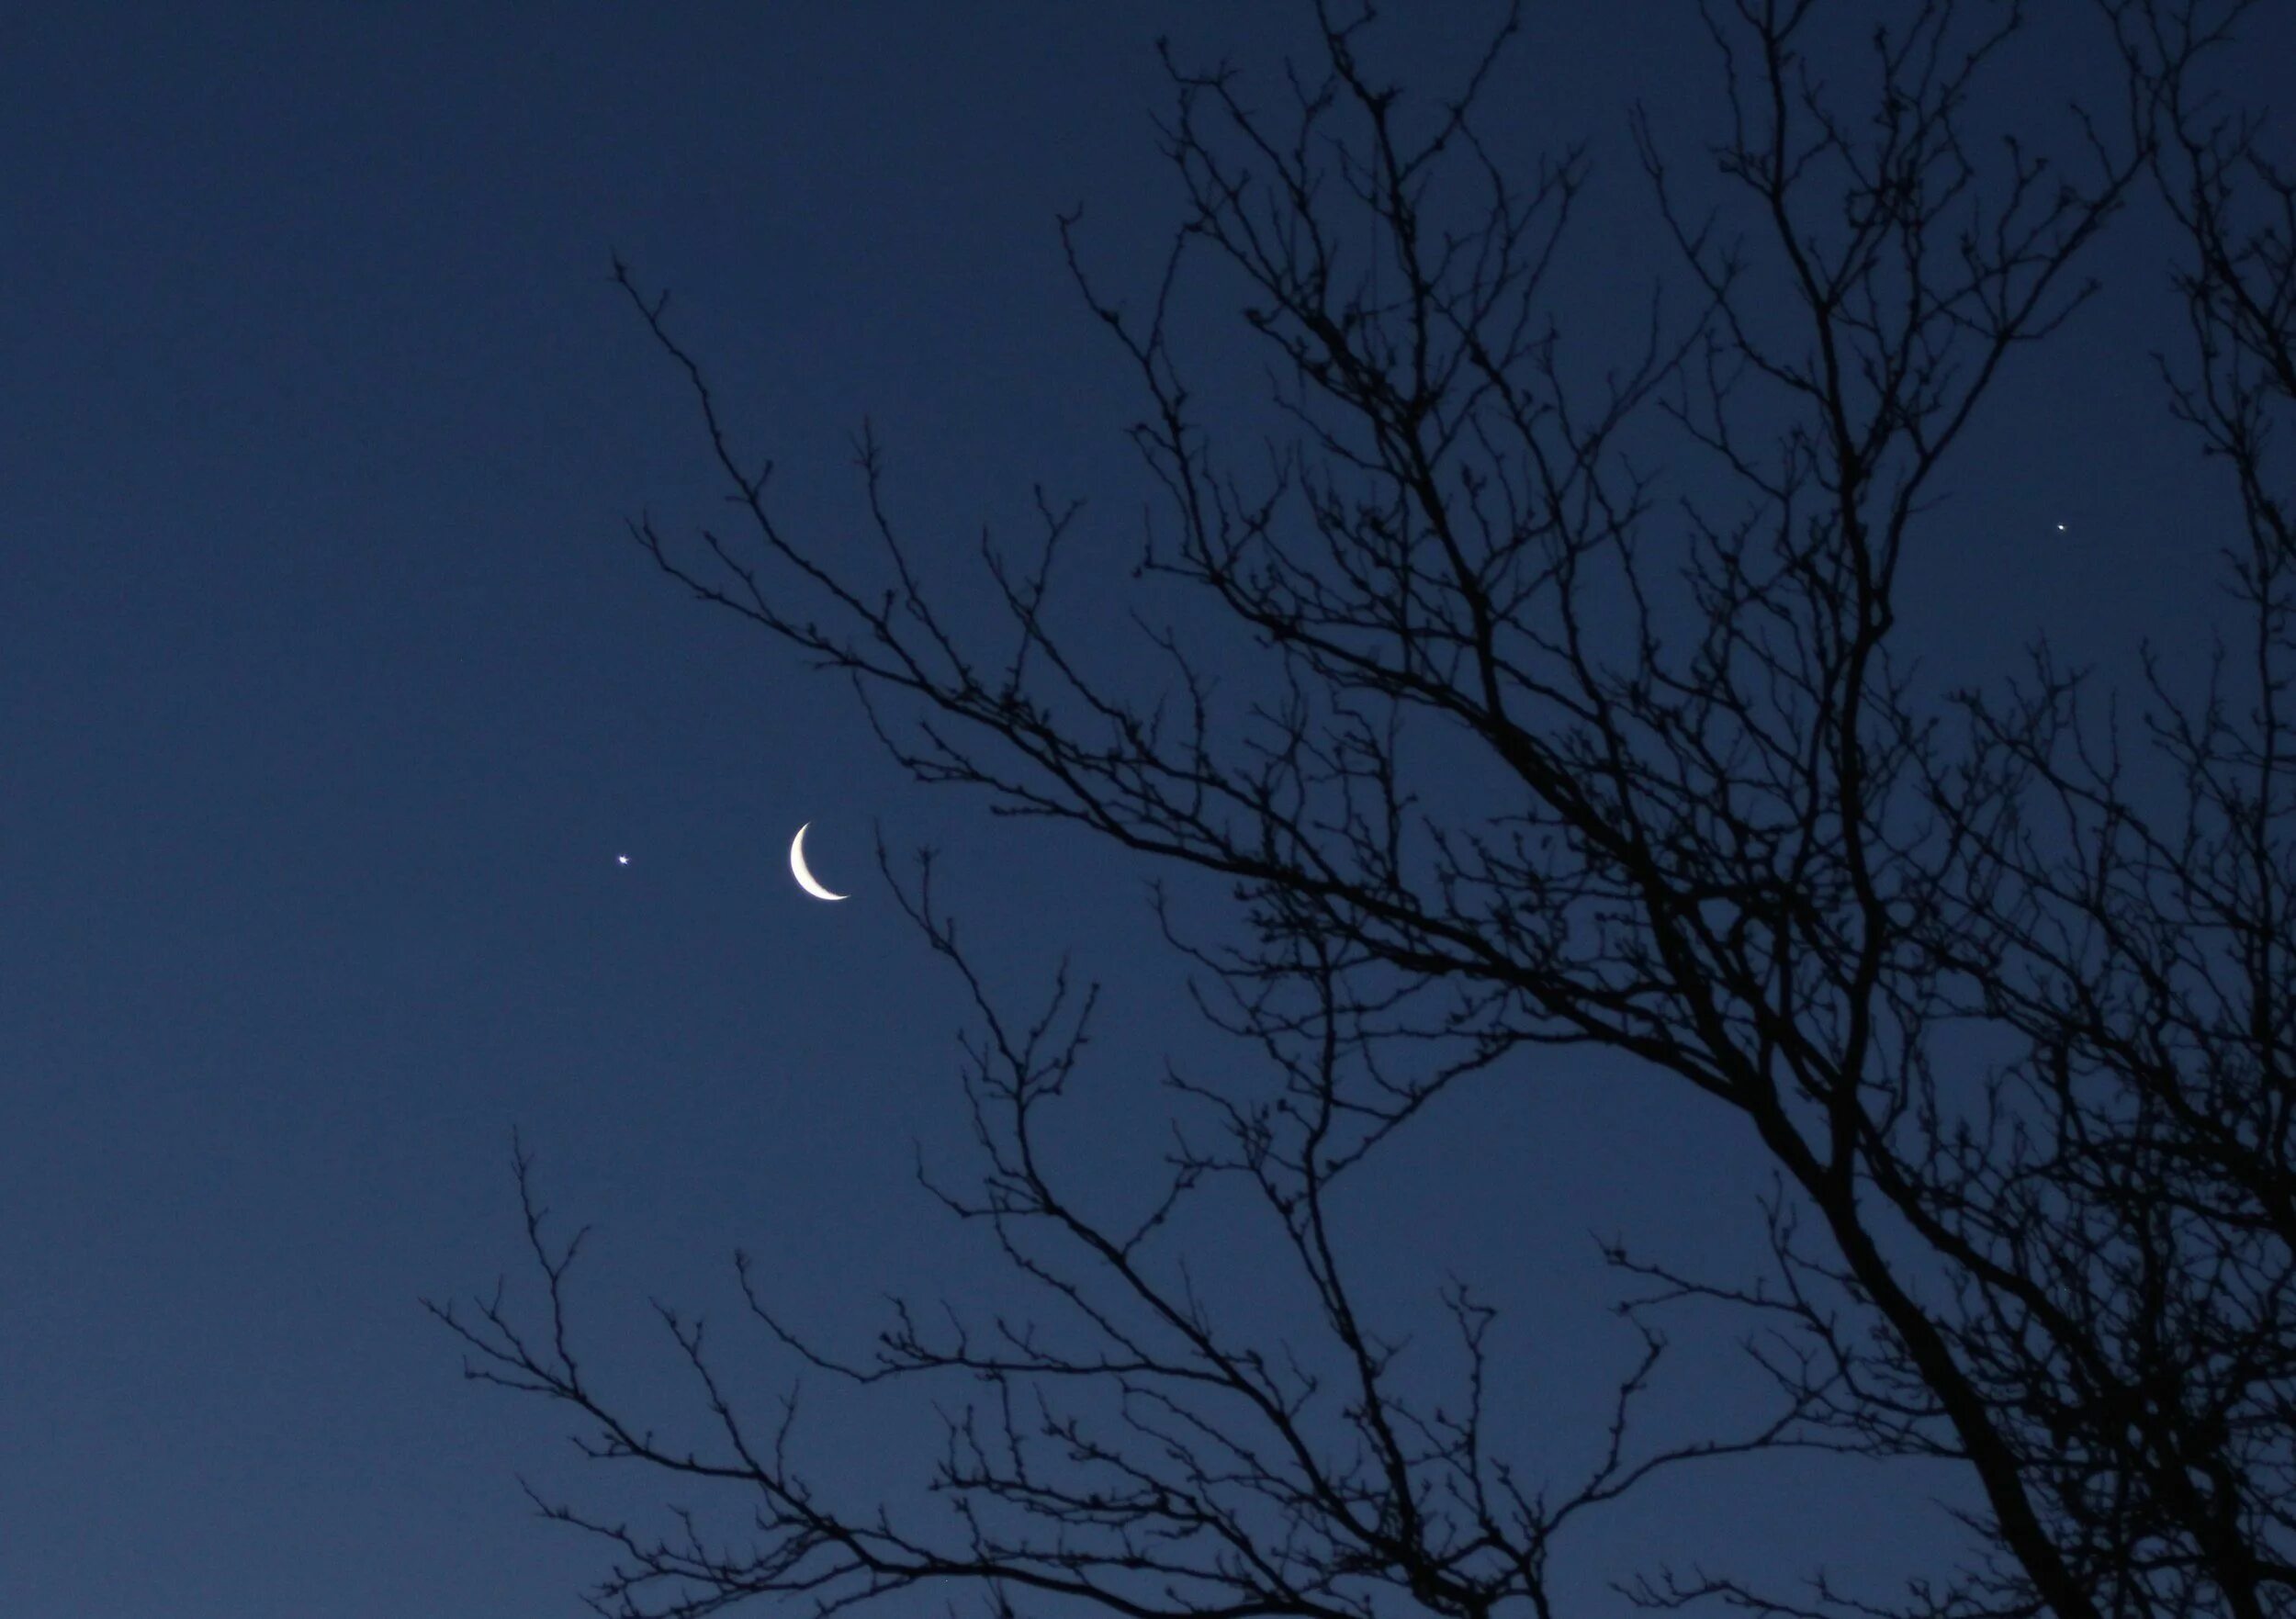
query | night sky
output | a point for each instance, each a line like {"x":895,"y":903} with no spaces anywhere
{"x":333,"y":689}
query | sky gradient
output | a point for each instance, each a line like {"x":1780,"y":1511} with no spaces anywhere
{"x":332,"y":688}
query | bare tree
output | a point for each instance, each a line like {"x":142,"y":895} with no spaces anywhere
{"x":1735,"y":842}
{"x":2114,"y":1211}
{"x":2125,"y":1218}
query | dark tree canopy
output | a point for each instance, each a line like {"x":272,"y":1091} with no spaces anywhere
{"x":1736,"y":839}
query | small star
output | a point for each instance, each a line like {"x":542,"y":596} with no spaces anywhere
{"x":622,"y":860}
{"x":2059,"y":528}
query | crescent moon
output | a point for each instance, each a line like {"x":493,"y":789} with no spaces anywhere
{"x":797,"y":868}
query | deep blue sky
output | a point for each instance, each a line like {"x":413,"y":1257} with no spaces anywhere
{"x":331,"y":689}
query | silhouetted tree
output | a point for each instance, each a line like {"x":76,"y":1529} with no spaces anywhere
{"x":1735,"y":841}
